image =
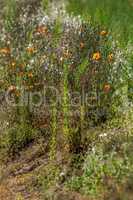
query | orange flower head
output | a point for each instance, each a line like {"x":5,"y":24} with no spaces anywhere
{"x":67,"y":54}
{"x":42,"y":30}
{"x":96,"y":56}
{"x":82,"y":45}
{"x":5,"y":51}
{"x":110,"y":57}
{"x":29,"y":87}
{"x":30,"y":50}
{"x":107,"y":88}
{"x":12,"y":88}
{"x":17,"y":93}
{"x":103,"y":33}
{"x":30,"y":75}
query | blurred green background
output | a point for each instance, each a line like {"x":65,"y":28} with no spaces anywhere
{"x":115,"y":15}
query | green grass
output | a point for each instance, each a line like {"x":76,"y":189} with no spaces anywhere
{"x":114,"y":15}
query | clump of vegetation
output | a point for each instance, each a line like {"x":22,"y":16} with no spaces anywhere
{"x":106,"y":169}
{"x":16,"y":138}
{"x":48,"y":178}
{"x":66,"y":79}
{"x":65,"y":60}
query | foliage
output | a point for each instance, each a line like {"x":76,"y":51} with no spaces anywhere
{"x":103,"y":168}
{"x":116,"y":15}
{"x":66,"y":60}
{"x":48,"y":178}
{"x":16,"y":138}
{"x":70,"y":76}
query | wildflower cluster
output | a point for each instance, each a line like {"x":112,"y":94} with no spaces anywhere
{"x":43,"y":50}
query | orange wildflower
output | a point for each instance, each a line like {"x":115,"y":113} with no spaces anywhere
{"x":12,"y":88}
{"x":30,"y":87}
{"x":110,"y":57}
{"x":5,"y":51}
{"x":96,"y":56}
{"x":107,"y":88}
{"x":17,"y":93}
{"x":42,"y":30}
{"x":82,"y":45}
{"x":103,"y":33}
{"x":30,"y":50}
{"x":30,"y":75}
{"x":67,"y":54}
